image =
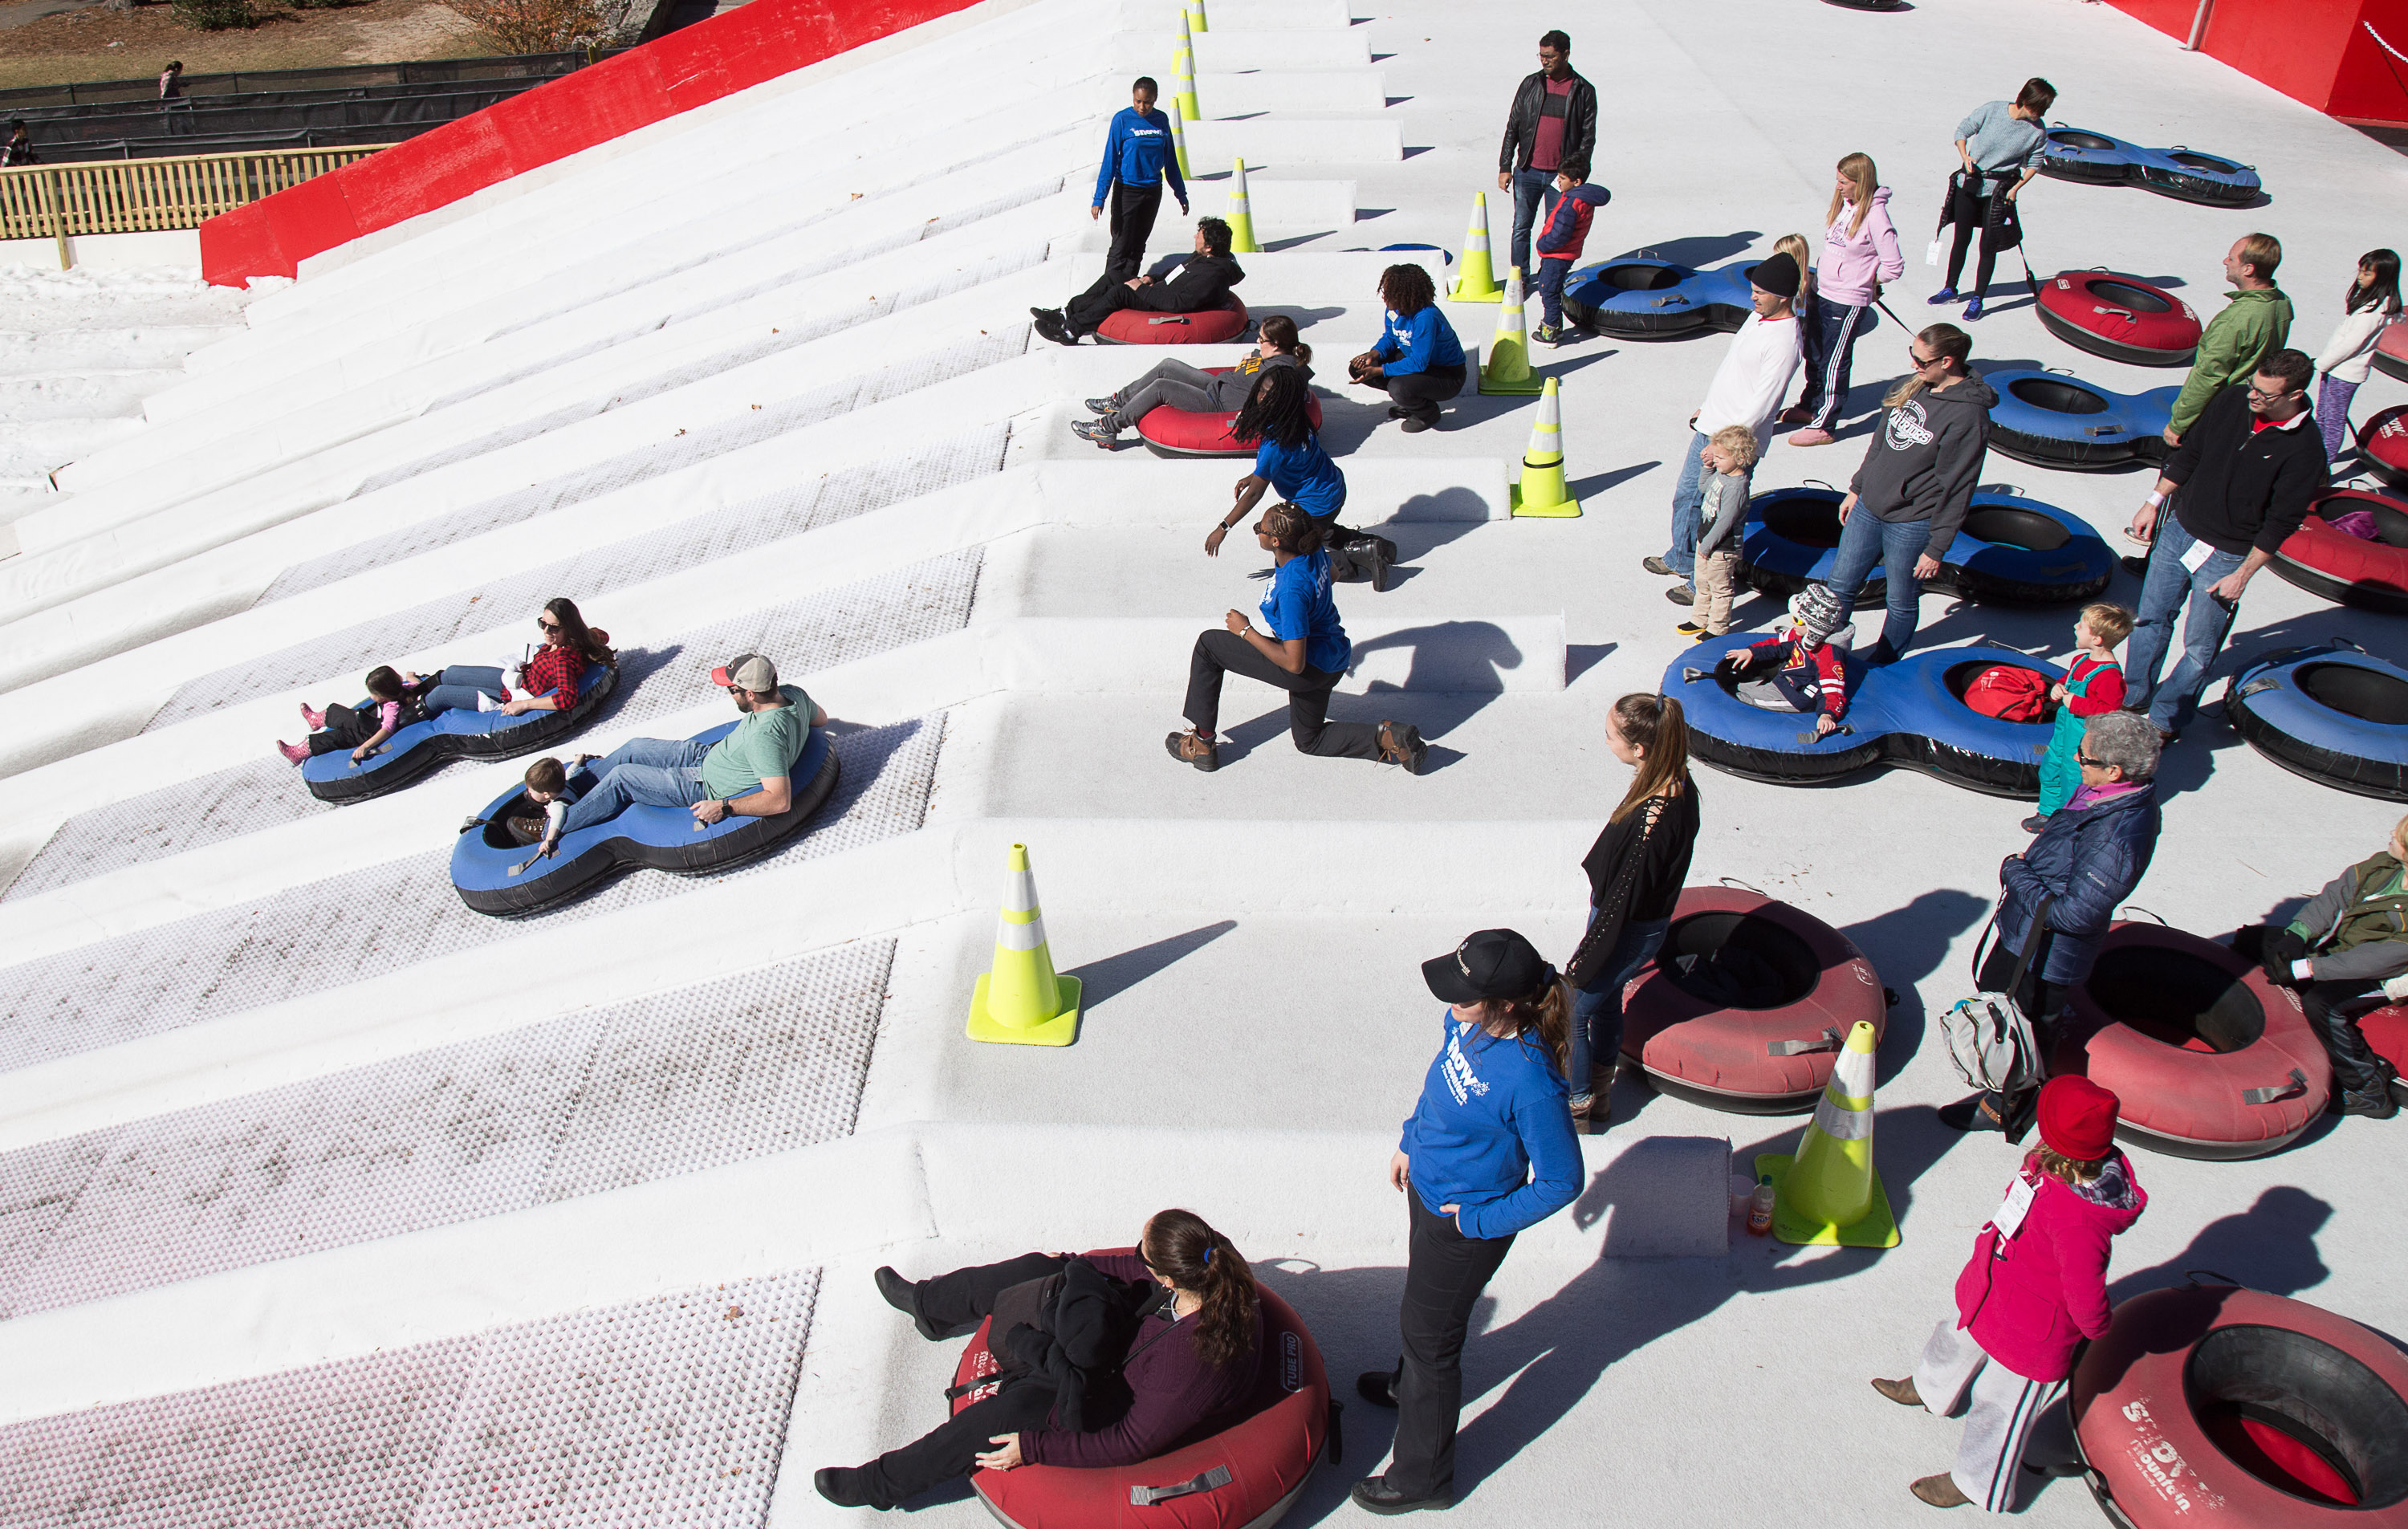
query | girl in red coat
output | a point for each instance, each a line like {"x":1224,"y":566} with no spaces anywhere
{"x":2036,"y":1286}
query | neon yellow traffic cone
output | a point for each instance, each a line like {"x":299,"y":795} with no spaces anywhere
{"x":1022,"y":1002}
{"x":1478,"y":282}
{"x":1541,"y":494}
{"x":1182,"y":82}
{"x":1193,"y":17}
{"x":1242,"y":217}
{"x":1508,"y":354}
{"x":1179,"y":141}
{"x":1830,"y":1191}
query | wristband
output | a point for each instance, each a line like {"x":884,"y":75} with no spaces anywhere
{"x":2302,"y":971}
{"x":2156,"y":500}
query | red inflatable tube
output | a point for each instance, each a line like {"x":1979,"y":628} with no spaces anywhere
{"x":2386,"y":1035}
{"x":1212,"y":326}
{"x":2391,"y":351}
{"x":2215,"y":1406}
{"x":2120,"y":316}
{"x":1260,"y":1462}
{"x":1750,"y":1061}
{"x":2384,"y":441}
{"x":2350,"y":570}
{"x":2209,"y":1058}
{"x":1185,"y":433}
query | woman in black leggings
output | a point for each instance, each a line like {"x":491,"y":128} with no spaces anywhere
{"x":1999,"y":145}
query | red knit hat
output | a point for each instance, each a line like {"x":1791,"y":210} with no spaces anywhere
{"x":2077,"y":1117}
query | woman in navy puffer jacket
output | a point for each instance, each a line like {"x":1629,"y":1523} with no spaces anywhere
{"x":2085,"y":861}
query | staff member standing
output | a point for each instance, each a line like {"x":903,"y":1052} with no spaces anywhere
{"x":1139,"y":155}
{"x":1553,"y":120}
{"x":2246,"y":471}
{"x":1488,"y":1151}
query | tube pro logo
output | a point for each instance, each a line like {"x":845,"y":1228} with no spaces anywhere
{"x":1291,"y":1362}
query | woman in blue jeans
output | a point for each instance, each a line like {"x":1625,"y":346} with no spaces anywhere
{"x":1910,"y":494}
{"x":1635,"y":872}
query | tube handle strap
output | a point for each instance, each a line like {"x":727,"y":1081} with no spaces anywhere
{"x":1147,"y":1496}
{"x":1827,"y":1041}
{"x":2292,"y":1090}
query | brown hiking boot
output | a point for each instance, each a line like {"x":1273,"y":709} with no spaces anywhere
{"x":1940,"y":1490}
{"x":1901,"y":1392}
{"x":1193,"y":747}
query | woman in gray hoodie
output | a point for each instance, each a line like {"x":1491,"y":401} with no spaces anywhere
{"x":1910,"y":494}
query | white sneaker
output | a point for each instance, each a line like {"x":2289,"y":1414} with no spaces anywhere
{"x":486,"y":703}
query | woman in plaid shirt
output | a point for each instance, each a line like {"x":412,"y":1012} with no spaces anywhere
{"x":548,"y":681}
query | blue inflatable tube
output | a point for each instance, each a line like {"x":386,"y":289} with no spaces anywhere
{"x":2188,"y":176}
{"x":2010,"y":550}
{"x":494,"y":873}
{"x":2333,"y":713}
{"x":1907,"y":714}
{"x":2076,"y":154}
{"x":456,"y":734}
{"x":2054,"y":420}
{"x":1640,"y":298}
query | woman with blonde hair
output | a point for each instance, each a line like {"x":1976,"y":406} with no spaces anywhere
{"x":1635,"y":870}
{"x":1907,"y":500}
{"x":1860,"y":254}
{"x":1488,"y":1151}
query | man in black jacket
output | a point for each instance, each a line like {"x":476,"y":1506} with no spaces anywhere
{"x":1177,"y":284}
{"x":2246,"y":471}
{"x":1553,"y":120}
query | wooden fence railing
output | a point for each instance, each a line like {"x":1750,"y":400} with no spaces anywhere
{"x":145,"y":196}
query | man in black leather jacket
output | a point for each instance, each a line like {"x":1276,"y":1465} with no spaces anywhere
{"x":1553,"y":120}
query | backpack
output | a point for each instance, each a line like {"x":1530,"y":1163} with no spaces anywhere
{"x":2008,"y":694}
{"x":1990,"y":1039}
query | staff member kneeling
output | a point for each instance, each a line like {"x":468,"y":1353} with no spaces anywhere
{"x":1489,"y":1150}
{"x":1177,"y":1323}
{"x":1304,"y":655}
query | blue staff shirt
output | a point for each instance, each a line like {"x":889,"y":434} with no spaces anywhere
{"x":1299,"y":605}
{"x":1138,"y":152}
{"x":1493,"y":1133}
{"x":1418,"y":343}
{"x":1302,"y":475}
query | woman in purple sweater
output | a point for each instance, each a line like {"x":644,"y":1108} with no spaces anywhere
{"x":1105,"y":1361}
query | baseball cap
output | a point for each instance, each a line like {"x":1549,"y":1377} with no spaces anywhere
{"x":749,"y":670}
{"x":1491,"y":964}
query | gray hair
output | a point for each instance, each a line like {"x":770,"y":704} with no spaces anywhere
{"x":2123,"y":738}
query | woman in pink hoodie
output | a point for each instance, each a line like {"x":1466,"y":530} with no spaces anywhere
{"x":2034,"y":1289}
{"x":1859,"y":254}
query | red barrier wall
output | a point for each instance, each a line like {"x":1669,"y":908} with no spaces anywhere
{"x":695,"y":65}
{"x":2316,"y":51}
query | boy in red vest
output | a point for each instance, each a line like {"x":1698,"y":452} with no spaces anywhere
{"x":1559,"y":243}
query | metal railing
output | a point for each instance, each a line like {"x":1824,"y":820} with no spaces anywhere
{"x":146,"y":195}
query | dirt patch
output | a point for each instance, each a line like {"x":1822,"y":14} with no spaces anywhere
{"x":101,"y":44}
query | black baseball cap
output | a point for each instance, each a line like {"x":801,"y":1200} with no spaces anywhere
{"x":1491,"y":964}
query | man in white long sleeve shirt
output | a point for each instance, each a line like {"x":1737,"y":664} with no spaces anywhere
{"x":1746,"y":392}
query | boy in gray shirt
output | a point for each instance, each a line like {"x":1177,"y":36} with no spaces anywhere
{"x":1730,"y":459}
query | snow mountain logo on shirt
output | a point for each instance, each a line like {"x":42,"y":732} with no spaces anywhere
{"x":1461,"y":1081}
{"x":1908,"y":427}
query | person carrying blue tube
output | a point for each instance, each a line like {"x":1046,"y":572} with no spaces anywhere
{"x":1139,"y":156}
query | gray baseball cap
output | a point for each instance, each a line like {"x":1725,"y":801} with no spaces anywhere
{"x":749,"y":670}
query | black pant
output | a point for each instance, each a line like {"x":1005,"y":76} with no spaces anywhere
{"x":1133,"y":209}
{"x":2355,"y":1068}
{"x":346,"y":728}
{"x":2041,"y":1002}
{"x":1974,"y":213}
{"x":1083,"y":313}
{"x":1444,"y":1273}
{"x":1307,"y":701}
{"x":1419,"y":394}
{"x":959,"y":1300}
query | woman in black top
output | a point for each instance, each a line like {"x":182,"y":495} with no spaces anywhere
{"x":1635,"y":872}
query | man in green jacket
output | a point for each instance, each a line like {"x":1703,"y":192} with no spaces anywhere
{"x":2257,"y":320}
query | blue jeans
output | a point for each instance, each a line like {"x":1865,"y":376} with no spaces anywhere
{"x":2170,"y":584}
{"x":1596,"y":1009}
{"x":1551,"y":291}
{"x":1868,"y":539}
{"x":649,"y":772}
{"x":1688,"y":494}
{"x":459,"y":686}
{"x":1534,"y":197}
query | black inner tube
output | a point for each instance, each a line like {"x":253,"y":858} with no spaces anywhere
{"x":1790,"y":959}
{"x":2123,"y":295}
{"x":2058,"y":397}
{"x":2390,"y":521}
{"x":2008,"y":526}
{"x":2368,"y":694}
{"x":2068,"y":137}
{"x":497,"y":830}
{"x":2312,"y":1392}
{"x":2176,"y":998}
{"x":2208,"y":162}
{"x":1638,"y":276}
{"x":1809,"y":518}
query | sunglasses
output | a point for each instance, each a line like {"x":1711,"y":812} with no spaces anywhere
{"x":2081,"y":758}
{"x":546,"y":623}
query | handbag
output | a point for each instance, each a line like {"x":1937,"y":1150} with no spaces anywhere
{"x":1990,"y":1039}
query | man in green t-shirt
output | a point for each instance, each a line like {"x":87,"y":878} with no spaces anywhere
{"x":747,"y":773}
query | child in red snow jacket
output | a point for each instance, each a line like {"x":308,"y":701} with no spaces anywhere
{"x":1558,"y":244}
{"x":2034,"y":1289}
{"x":1806,"y":665}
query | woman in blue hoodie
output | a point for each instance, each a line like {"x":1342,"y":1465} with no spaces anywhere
{"x":1488,"y":1151}
{"x":1418,"y":360}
